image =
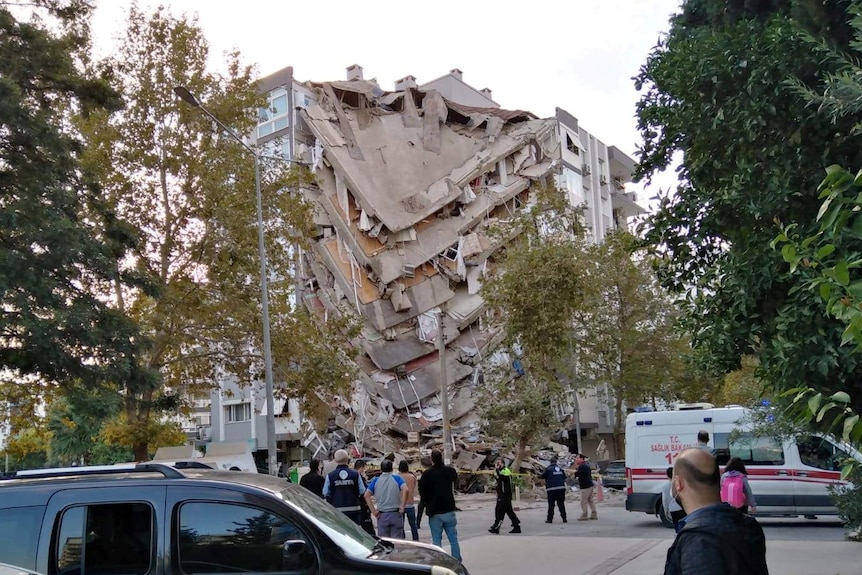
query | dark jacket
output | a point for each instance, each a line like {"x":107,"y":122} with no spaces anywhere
{"x":313,"y":481}
{"x":344,"y":490}
{"x":719,"y":540}
{"x":437,"y":489}
{"x":504,"y":484}
{"x":584,"y":475}
{"x":555,"y":478}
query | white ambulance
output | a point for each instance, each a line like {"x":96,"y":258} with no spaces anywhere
{"x":787,"y":478}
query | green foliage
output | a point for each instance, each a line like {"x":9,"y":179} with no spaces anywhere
{"x":625,"y":334}
{"x":534,"y":293}
{"x":742,"y":386}
{"x":848,"y":500}
{"x":716,"y":96}
{"x":188,"y":191}
{"x":74,"y":420}
{"x":57,"y":235}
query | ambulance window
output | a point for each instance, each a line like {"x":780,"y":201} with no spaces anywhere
{"x":751,"y":450}
{"x":820,"y":453}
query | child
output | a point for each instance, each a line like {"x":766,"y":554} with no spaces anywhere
{"x":735,"y":489}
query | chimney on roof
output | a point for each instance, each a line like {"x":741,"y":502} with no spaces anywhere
{"x":486,"y":92}
{"x":457,"y":73}
{"x":354,"y":72}
{"x":405,"y":82}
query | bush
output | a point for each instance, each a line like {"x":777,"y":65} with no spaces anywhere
{"x":848,"y":499}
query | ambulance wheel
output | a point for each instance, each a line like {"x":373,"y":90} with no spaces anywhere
{"x":661,"y":515}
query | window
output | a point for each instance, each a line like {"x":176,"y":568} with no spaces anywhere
{"x":571,"y":146}
{"x":752,"y":450}
{"x":114,"y":538}
{"x":237,"y":412}
{"x":274,"y":117}
{"x":820,"y":453}
{"x":19,"y":533}
{"x":228,"y":538}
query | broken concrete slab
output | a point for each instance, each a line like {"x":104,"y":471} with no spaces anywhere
{"x":424,"y":382}
{"x":389,"y":354}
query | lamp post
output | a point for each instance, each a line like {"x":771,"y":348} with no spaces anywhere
{"x":272,"y":458}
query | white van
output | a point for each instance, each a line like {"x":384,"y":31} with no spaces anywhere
{"x":787,"y":478}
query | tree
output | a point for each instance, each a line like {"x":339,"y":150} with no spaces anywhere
{"x":625,"y":338}
{"x":716,"y":95}
{"x":188,"y":190}
{"x":534,"y":294}
{"x":57,"y":235}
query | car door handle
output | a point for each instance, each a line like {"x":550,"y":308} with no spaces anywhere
{"x":783,"y":473}
{"x":803,"y":474}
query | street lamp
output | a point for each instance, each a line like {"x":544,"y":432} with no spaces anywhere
{"x":272,"y":458}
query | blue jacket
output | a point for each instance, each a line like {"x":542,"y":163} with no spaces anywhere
{"x":555,"y":478}
{"x":343,"y":488}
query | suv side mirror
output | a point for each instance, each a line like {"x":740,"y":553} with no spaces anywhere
{"x":296,"y":555}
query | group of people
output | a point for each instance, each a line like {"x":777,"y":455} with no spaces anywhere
{"x":390,"y":497}
{"x":716,"y":534}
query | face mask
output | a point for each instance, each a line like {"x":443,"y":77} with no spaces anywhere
{"x":676,"y":496}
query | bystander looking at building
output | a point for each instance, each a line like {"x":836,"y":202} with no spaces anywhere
{"x":344,"y":488}
{"x":437,"y":492}
{"x":555,"y":487}
{"x":364,"y":512}
{"x":587,"y":488}
{"x":410,"y":507}
{"x":313,"y":480}
{"x":714,"y":538}
{"x":386,"y":497}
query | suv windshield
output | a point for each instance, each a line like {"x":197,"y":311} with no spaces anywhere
{"x":343,"y":531}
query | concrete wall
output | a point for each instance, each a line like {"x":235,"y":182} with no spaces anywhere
{"x":458,"y":91}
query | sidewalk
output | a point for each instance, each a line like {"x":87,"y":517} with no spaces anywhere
{"x":488,"y":555}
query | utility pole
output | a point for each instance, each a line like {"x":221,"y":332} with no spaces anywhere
{"x":444,"y":390}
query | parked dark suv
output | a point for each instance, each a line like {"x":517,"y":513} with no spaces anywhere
{"x":614,"y":476}
{"x":153,"y":519}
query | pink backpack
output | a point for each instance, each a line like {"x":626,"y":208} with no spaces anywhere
{"x":733,"y":490}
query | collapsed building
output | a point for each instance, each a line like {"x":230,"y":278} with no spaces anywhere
{"x":408,"y":185}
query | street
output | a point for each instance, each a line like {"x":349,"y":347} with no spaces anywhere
{"x":622,"y":543}
{"x":614,"y":521}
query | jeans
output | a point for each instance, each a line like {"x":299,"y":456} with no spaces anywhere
{"x":447,"y":521}
{"x":410,"y":512}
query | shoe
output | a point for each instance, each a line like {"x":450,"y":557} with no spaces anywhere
{"x":583,"y":518}
{"x":593,"y":517}
{"x":550,"y":520}
{"x":565,"y":520}
{"x":495,"y":529}
{"x":515,"y":529}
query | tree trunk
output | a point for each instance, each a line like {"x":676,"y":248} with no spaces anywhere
{"x":619,"y":431}
{"x":520,"y":449}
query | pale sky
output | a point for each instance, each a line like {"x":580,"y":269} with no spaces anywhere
{"x":576,"y":54}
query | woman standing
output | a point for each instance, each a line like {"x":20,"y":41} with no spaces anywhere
{"x":735,"y":489}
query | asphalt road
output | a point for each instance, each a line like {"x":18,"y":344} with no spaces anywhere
{"x":614,"y":521}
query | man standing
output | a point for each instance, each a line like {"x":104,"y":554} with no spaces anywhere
{"x":366,"y":522}
{"x":504,"y":499}
{"x":343,"y":487}
{"x":313,"y":480}
{"x":390,"y":495}
{"x":555,"y":487}
{"x":714,"y":538}
{"x":410,"y":508}
{"x":437,"y":491}
{"x":584,"y":475}
{"x":703,"y":442}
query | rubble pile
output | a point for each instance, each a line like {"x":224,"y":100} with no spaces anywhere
{"x":408,"y":185}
